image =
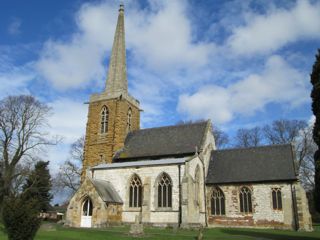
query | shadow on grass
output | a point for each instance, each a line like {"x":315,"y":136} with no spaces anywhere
{"x":267,"y":235}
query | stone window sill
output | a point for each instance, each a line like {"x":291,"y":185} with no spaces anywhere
{"x":133,"y":209}
{"x":103,"y":134}
{"x":222,"y":215}
{"x":278,"y":210}
{"x":246,"y":214}
{"x":168,"y":209}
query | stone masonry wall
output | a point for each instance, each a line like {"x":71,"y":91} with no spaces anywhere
{"x":120,"y":178}
{"x":304,"y":216}
{"x":100,"y":148}
{"x":193,"y":209}
{"x":263,"y":214}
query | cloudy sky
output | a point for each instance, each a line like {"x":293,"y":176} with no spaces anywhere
{"x":239,"y":63}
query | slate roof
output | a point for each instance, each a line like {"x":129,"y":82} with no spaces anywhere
{"x":106,"y":191}
{"x":256,"y":164}
{"x":179,"y":140}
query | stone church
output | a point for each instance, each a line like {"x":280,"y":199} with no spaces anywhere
{"x":173,"y":175}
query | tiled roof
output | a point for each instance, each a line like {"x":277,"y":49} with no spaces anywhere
{"x":266,"y":163}
{"x":106,"y":191}
{"x":179,"y":140}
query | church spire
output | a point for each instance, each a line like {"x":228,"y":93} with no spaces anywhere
{"x":117,"y":73}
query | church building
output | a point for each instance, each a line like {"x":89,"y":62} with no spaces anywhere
{"x":173,"y":175}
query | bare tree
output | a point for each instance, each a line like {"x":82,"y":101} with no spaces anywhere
{"x":283,"y":131}
{"x":305,"y":148}
{"x":68,"y":177}
{"x":221,"y":138}
{"x":298,"y":133}
{"x":248,"y":137}
{"x":23,"y":121}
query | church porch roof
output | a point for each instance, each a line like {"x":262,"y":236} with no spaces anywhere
{"x":106,"y":191}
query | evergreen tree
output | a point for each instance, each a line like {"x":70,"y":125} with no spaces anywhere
{"x":315,"y":95}
{"x":38,"y":186}
{"x":20,"y":217}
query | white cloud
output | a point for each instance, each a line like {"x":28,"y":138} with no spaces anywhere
{"x":14,"y":80}
{"x":14,"y":27}
{"x":163,"y":38}
{"x":68,"y":119}
{"x":209,"y":102}
{"x":14,"y":83}
{"x":152,"y":39}
{"x":57,"y":155}
{"x":74,"y":63}
{"x":277,"y":83}
{"x":277,"y":28}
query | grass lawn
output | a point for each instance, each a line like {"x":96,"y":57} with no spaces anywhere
{"x":57,"y":232}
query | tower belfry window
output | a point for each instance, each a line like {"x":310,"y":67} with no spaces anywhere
{"x":129,"y":118}
{"x":104,"y":119}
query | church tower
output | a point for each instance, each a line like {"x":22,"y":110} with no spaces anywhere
{"x":112,"y":113}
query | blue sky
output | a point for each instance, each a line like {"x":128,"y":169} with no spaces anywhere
{"x":239,"y":63}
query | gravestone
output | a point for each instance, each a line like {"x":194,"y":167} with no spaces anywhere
{"x":136,"y":229}
{"x":200,"y":234}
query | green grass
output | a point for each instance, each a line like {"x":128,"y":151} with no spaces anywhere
{"x":61,"y":233}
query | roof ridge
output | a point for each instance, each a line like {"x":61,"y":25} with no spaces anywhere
{"x":172,"y":126}
{"x":100,"y":180}
{"x":262,"y":146}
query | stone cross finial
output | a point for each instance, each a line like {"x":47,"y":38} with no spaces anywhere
{"x":121,"y":8}
{"x":117,"y":73}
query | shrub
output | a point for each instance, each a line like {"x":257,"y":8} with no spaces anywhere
{"x":20,"y":218}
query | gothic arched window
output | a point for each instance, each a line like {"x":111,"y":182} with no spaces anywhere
{"x":217,"y":202}
{"x":104,"y":119}
{"x":129,"y":118}
{"x":135,"y":192}
{"x":164,"y":191}
{"x":276,"y":199}
{"x":245,"y":200}
{"x":87,"y":207}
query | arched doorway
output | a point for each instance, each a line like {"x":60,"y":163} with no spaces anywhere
{"x":86,"y":213}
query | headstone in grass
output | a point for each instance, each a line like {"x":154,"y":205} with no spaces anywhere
{"x":136,"y":229}
{"x":200,"y":234}
{"x":47,"y":226}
